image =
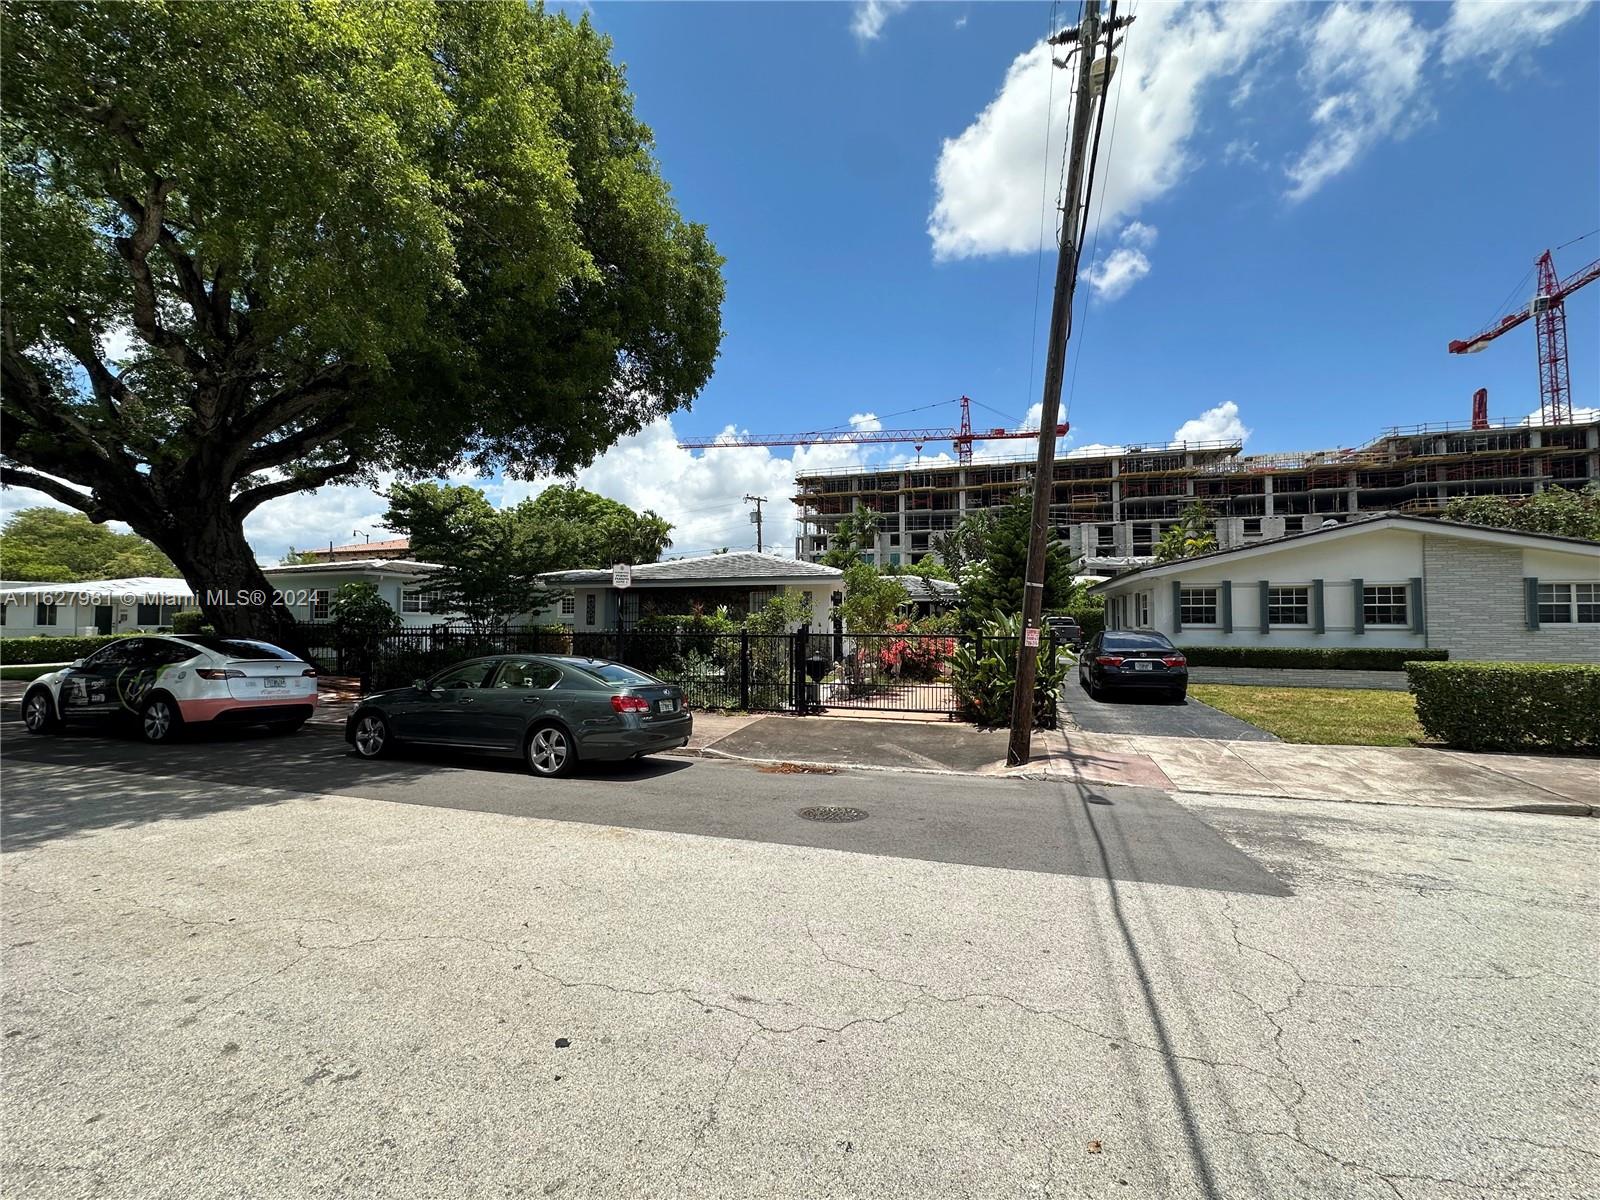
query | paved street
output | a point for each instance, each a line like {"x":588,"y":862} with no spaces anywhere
{"x":255,"y":967}
{"x":1152,"y":716}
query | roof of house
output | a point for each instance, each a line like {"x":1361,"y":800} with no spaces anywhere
{"x":391,"y":545}
{"x":922,"y":590}
{"x":391,"y":566}
{"x":103,"y":591}
{"x":735,"y":567}
{"x":1371,"y":523}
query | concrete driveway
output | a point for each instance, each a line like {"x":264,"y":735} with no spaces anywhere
{"x":1134,"y":714}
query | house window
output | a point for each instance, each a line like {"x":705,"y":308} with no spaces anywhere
{"x":1289,"y":606}
{"x":148,"y":614}
{"x":1566,"y":603}
{"x":569,"y":605}
{"x":44,"y":614}
{"x":1384,"y":604}
{"x":422,"y":600}
{"x":1197,"y":606}
{"x":589,"y":609}
{"x":320,"y":600}
{"x":1141,"y":610}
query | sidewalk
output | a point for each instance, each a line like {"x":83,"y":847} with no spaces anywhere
{"x":1411,"y":775}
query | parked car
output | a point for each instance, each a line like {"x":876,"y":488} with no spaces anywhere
{"x":1120,"y":658}
{"x":161,"y":684}
{"x":552,"y":711}
{"x":1065,"y":630}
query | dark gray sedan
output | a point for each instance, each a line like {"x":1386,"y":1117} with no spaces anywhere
{"x":550,"y":710}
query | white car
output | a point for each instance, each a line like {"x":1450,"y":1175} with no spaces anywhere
{"x":163,"y":683}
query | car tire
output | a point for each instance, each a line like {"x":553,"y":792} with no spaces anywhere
{"x":372,"y":737}
{"x":39,"y":712}
{"x":1178,"y":696}
{"x":159,"y":720}
{"x":1096,"y":692}
{"x":550,"y":752}
{"x":278,"y":727}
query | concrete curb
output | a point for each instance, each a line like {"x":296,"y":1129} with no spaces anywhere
{"x":1549,"y":808}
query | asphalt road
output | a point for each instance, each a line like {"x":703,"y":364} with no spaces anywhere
{"x":251,"y":967}
{"x":1132,"y":712}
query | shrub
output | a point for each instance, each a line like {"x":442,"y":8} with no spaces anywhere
{"x":1509,"y":706}
{"x":985,"y":680}
{"x":15,"y":651}
{"x":189,"y":620}
{"x":1310,"y":658}
{"x":1090,"y":614}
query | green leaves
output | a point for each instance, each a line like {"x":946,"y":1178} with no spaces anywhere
{"x":1556,"y":510}
{"x":49,"y":545}
{"x":1192,"y":535}
{"x":993,"y":586}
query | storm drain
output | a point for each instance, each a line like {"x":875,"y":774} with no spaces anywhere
{"x":833,"y":812}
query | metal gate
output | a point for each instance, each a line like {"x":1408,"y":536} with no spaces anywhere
{"x":890,"y":672}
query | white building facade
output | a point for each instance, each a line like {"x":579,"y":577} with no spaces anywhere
{"x":1387,"y":581}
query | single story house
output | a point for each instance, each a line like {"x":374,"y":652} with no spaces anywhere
{"x":929,"y":597}
{"x":741,"y":580}
{"x":1388,"y":580}
{"x":145,"y":604}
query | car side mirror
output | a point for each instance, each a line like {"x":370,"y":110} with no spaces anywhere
{"x":422,"y":685}
{"x":77,"y":662}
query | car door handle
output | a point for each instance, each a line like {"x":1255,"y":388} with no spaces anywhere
{"x":469,"y":700}
{"x":530,"y":700}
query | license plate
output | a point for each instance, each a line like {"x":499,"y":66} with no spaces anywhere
{"x":666,"y":705}
{"x":1144,"y":666}
{"x":274,"y":681}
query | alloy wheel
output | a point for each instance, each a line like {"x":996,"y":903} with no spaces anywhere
{"x":548,"y":751}
{"x":370,"y":737}
{"x":157,"y":721}
{"x":37,"y":714}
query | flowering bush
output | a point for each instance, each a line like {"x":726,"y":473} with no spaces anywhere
{"x":919,"y":654}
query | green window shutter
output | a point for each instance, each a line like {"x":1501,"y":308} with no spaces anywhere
{"x":1419,"y":619}
{"x":1227,"y":606}
{"x":1177,"y":606}
{"x":1530,"y":601}
{"x":1358,"y":589}
{"x":1265,"y":626}
{"x":1318,"y":624}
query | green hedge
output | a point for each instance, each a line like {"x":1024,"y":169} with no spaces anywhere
{"x":1310,"y":658}
{"x":1509,"y":706}
{"x":53,"y":649}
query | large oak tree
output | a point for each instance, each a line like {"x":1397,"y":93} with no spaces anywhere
{"x":339,"y":239}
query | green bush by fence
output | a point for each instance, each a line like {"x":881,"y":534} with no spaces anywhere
{"x":1310,"y":658}
{"x":1509,"y":706}
{"x":14,"y":651}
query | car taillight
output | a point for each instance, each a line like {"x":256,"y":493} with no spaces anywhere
{"x":1175,"y":660}
{"x":309,"y":673}
{"x":216,"y":673}
{"x":1109,"y":660}
{"x":628,"y":704}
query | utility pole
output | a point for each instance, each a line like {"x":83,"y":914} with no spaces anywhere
{"x":1085,"y":37}
{"x":755,"y":517}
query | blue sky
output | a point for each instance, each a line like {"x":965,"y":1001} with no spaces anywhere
{"x":1300,"y":206}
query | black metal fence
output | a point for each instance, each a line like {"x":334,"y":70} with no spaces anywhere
{"x":797,"y":672}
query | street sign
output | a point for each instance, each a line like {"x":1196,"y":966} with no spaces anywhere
{"x":1030,"y":636}
{"x":621,"y":575}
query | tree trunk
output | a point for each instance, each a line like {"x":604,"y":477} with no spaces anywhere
{"x":206,"y":541}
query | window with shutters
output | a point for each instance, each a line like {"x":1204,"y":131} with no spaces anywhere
{"x":1197,"y":606}
{"x":1289,"y":606}
{"x":1385,"y":604}
{"x":1569,"y":603}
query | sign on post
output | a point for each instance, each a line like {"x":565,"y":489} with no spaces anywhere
{"x":1030,"y":636}
{"x":621,"y":575}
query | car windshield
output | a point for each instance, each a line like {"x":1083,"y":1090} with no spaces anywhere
{"x":610,"y":672}
{"x":242,"y":648}
{"x":1136,"y":641}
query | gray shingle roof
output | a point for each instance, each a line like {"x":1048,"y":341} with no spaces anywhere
{"x":736,"y":567}
{"x":934,"y":591}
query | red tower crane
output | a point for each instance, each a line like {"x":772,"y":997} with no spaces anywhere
{"x":1549,"y":314}
{"x":962,"y":438}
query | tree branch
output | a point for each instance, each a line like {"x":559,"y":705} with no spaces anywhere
{"x":251,"y":499}
{"x":135,"y":251}
{"x":84,"y":502}
{"x":294,"y":445}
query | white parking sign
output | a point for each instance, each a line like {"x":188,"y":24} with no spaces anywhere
{"x":621,"y":575}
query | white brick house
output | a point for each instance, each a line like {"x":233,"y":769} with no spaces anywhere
{"x":1382,"y":581}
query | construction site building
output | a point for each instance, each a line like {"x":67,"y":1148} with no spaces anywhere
{"x":1113,"y":505}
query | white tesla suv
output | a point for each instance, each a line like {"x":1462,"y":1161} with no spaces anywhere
{"x":162,"y":683}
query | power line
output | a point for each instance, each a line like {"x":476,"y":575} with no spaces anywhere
{"x":1044,"y":182}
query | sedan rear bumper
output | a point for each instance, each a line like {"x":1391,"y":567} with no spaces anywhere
{"x":642,"y":738}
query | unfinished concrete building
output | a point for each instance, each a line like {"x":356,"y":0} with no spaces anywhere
{"x":1113,"y":505}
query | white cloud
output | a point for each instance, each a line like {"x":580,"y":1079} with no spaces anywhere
{"x":871,"y":16}
{"x":1500,"y":35}
{"x":1139,"y":235}
{"x":1219,"y":424}
{"x":1117,"y":272}
{"x":1364,"y":66}
{"x":961,"y":21}
{"x":988,"y":178}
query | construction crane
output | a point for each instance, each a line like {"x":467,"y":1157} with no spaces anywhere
{"x":1548,"y":312}
{"x":961,"y":438}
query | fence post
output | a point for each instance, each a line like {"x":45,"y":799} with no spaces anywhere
{"x":799,"y":651}
{"x":744,"y":670}
{"x":619,"y":644}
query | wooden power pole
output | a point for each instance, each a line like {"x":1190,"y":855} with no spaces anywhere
{"x":1085,"y":37}
{"x":755,"y":517}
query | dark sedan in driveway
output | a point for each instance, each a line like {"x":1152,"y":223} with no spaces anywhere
{"x":551,"y":711}
{"x":1133,"y":659}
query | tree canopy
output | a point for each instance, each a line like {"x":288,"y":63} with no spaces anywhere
{"x":52,"y":546}
{"x":992,"y":586}
{"x":255,"y":248}
{"x":1555,"y":510}
{"x":856,"y":532}
{"x":589,"y":530}
{"x":1192,"y":534}
{"x":964,"y":545}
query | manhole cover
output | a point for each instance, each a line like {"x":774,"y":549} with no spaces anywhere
{"x":833,"y":812}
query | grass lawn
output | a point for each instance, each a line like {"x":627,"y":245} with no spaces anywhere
{"x":1320,"y":716}
{"x":25,"y":672}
